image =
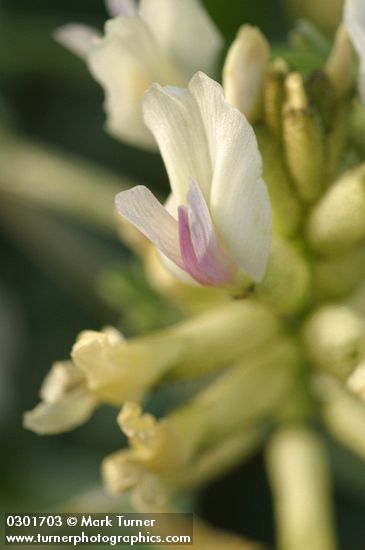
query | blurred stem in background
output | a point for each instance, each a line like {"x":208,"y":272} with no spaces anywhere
{"x":300,"y":483}
{"x":58,"y":209}
{"x":40,"y":189}
{"x":37,"y":175}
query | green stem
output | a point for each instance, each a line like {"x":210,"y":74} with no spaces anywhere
{"x":299,"y":478}
{"x":38,"y":175}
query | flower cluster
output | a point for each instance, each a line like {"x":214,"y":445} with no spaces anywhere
{"x":262,"y":236}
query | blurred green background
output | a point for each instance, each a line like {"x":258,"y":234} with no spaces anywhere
{"x":61,"y":274}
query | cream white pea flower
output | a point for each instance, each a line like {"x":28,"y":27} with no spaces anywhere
{"x":354,"y":20}
{"x":163,"y":41}
{"x":216,"y":226}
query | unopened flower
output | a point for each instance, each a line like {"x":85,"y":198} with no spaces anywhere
{"x":66,"y":401}
{"x":274,"y":94}
{"x":120,"y":371}
{"x":288,"y":281}
{"x":245,"y":70}
{"x":335,"y":339}
{"x":163,"y":41}
{"x":354,"y":20}
{"x":304,"y":140}
{"x":339,"y":66}
{"x":216,"y":226}
{"x":337,"y":221}
{"x":216,"y":429}
{"x":109,"y":369}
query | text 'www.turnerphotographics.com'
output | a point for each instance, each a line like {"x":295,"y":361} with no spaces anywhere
{"x":95,"y":529}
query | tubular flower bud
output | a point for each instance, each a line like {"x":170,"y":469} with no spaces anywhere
{"x":274,"y":95}
{"x":354,"y":21}
{"x":302,"y":500}
{"x":339,"y":65}
{"x":66,"y":401}
{"x":121,"y":471}
{"x":287,"y":283}
{"x":321,"y":96}
{"x":286,"y":206}
{"x":164,"y":41}
{"x":159,"y":452}
{"x":335,"y":339}
{"x":191,"y":435}
{"x":119,"y":371}
{"x":337,"y":222}
{"x":245,"y":70}
{"x":216,"y":227}
{"x":304,"y":141}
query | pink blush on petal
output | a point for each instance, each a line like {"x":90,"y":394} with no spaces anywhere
{"x":206,"y":270}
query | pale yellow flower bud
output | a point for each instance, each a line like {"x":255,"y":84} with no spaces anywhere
{"x":339,"y":65}
{"x":196,"y":433}
{"x":321,"y":96}
{"x":336,"y":276}
{"x":274,"y":95}
{"x":302,"y":500}
{"x":287,"y":282}
{"x":304,"y":140}
{"x":286,"y":206}
{"x":155,"y":442}
{"x":121,"y":471}
{"x":335,"y":339}
{"x":119,"y":371}
{"x":66,"y":401}
{"x":245,"y":70}
{"x":337,"y":222}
